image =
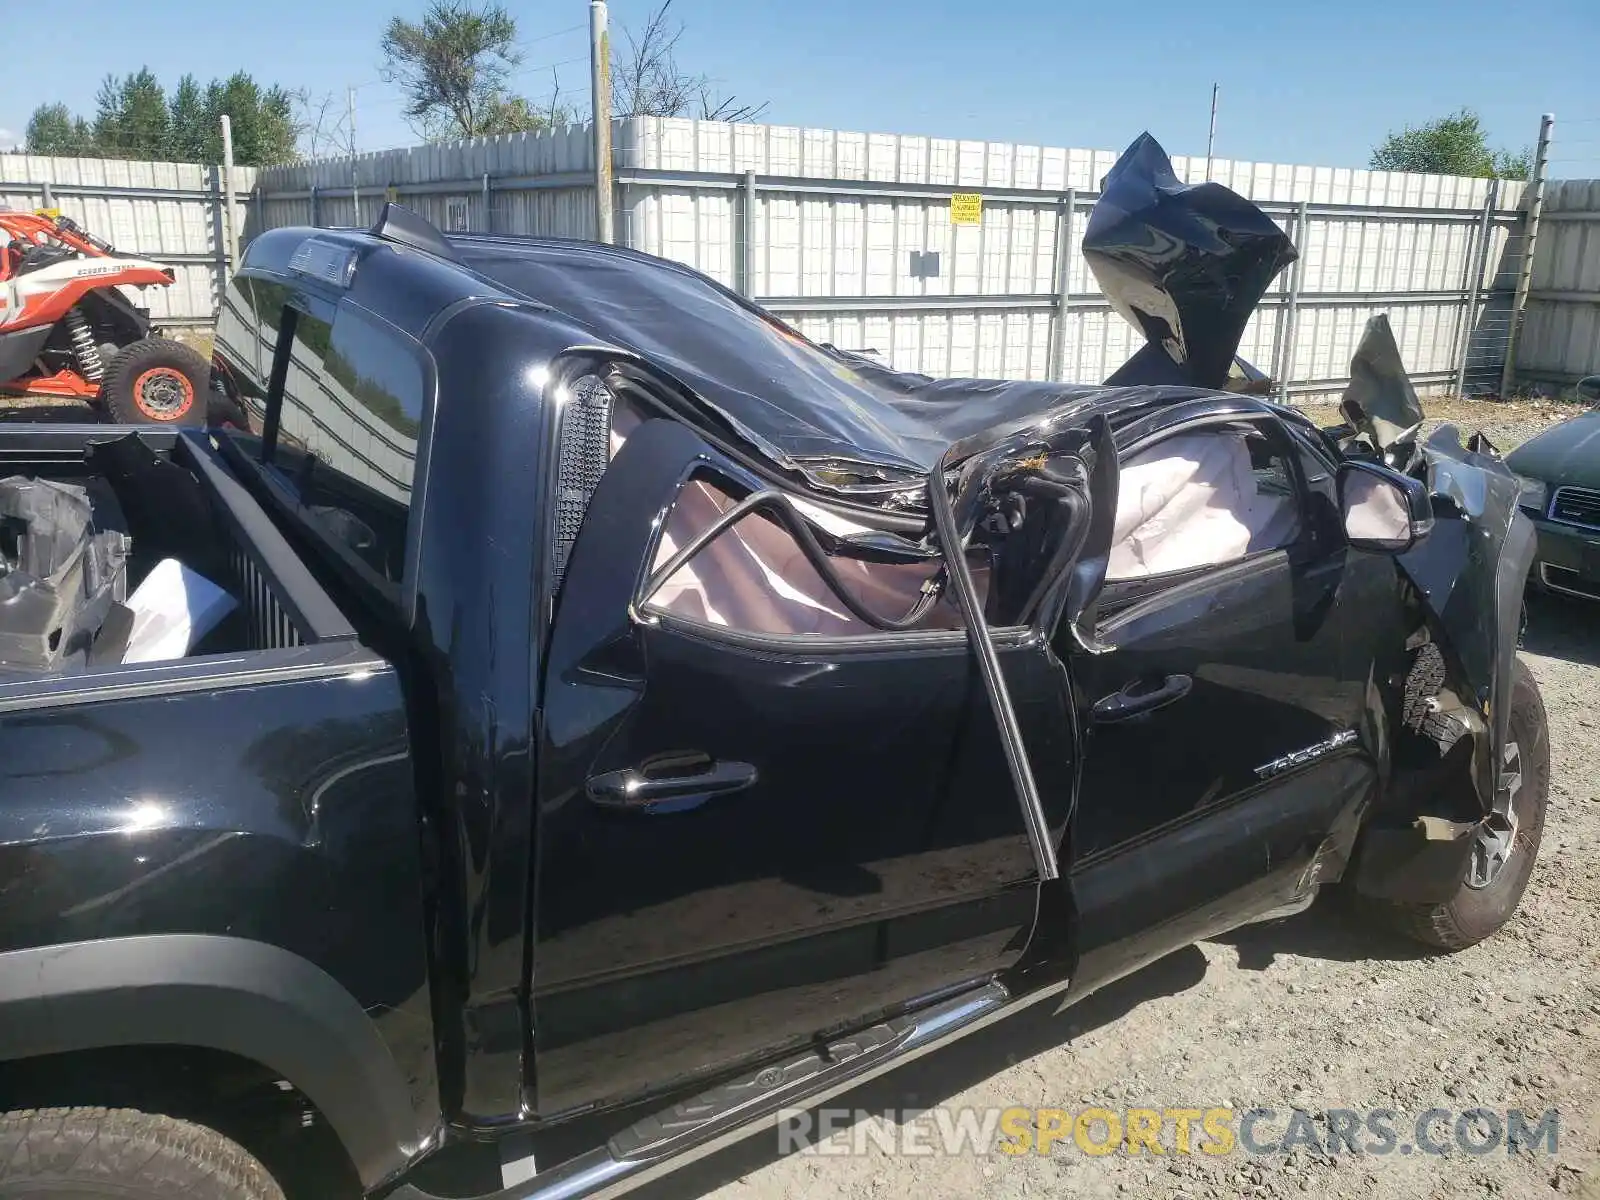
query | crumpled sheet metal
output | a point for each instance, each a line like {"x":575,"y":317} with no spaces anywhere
{"x":1185,"y":264}
{"x":1380,"y":400}
{"x":1471,"y":570}
{"x":59,"y":577}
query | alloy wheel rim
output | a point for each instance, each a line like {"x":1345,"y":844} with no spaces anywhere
{"x":1495,"y":843}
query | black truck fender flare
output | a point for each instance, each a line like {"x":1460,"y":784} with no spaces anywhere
{"x":1424,"y":863}
{"x":243,"y":997}
{"x":1511,"y":584}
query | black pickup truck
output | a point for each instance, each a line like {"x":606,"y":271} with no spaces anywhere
{"x":640,"y":718}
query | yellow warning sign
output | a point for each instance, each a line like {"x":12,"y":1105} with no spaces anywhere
{"x":966,"y":208}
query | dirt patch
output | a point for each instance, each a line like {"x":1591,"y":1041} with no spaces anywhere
{"x":1315,"y":1013}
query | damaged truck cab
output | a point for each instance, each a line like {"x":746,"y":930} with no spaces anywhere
{"x":734,"y":718}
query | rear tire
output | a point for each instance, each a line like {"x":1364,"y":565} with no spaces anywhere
{"x":1474,"y":913}
{"x":156,"y":381}
{"x":223,"y":406}
{"x":88,"y":1153}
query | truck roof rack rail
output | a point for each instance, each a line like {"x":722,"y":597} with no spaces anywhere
{"x":400,"y":225}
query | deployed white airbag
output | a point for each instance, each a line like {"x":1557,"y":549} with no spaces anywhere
{"x":1194,"y":501}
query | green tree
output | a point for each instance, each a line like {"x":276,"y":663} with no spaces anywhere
{"x":54,"y":130}
{"x":134,"y":119}
{"x":189,"y":121}
{"x":262,"y":118}
{"x":1452,"y":145}
{"x":512,"y":114}
{"x":453,"y":67}
{"x":131,"y":120}
{"x":1514,"y":164}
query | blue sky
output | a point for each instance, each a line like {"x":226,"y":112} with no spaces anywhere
{"x":1308,"y":82}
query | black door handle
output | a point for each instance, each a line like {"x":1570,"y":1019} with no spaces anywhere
{"x":669,"y":783}
{"x":1140,"y":696}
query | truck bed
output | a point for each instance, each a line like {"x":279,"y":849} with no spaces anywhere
{"x":284,"y":618}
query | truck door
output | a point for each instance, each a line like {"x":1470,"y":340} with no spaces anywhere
{"x":1223,"y":712}
{"x":757,"y":821}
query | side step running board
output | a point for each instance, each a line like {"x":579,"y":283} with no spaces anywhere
{"x":725,"y":1114}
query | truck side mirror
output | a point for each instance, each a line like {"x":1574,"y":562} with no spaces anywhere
{"x":1384,"y":511}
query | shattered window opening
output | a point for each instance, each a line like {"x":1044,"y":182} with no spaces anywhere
{"x":754,"y":577}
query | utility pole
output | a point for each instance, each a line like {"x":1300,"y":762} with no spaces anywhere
{"x":355,"y":187}
{"x":230,"y":210}
{"x":600,"y":97}
{"x":1211,"y":140}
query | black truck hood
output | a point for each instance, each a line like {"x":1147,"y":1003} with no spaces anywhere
{"x":1567,"y":454}
{"x":844,"y":421}
{"x":1201,"y":255}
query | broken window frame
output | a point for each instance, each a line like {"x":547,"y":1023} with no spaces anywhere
{"x":738,"y":477}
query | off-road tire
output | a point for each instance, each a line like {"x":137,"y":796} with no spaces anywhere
{"x":156,"y":381}
{"x":88,"y":1153}
{"x":1473,"y":914}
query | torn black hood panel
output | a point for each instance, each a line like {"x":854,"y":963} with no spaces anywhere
{"x":1380,"y":400}
{"x":1186,"y":264}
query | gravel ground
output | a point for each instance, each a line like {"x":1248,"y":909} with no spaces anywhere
{"x":1507,"y":422}
{"x":1311,"y":1013}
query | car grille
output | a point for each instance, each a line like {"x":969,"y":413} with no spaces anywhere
{"x":1564,"y":579}
{"x":1576,"y":506}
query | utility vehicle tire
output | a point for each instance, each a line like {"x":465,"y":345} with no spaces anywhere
{"x":1475,"y":912}
{"x":120,"y":1154}
{"x":156,"y":381}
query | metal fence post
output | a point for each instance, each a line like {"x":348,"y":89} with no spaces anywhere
{"x":1477,"y":260}
{"x":488,"y":220}
{"x":747,"y":263}
{"x":316,"y":208}
{"x":1529,"y":240}
{"x":1066,"y":218}
{"x":1302,"y":225}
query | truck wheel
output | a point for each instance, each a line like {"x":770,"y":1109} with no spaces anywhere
{"x":223,"y":406}
{"x":1497,"y":873}
{"x":83,"y":1153}
{"x":156,"y":381}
